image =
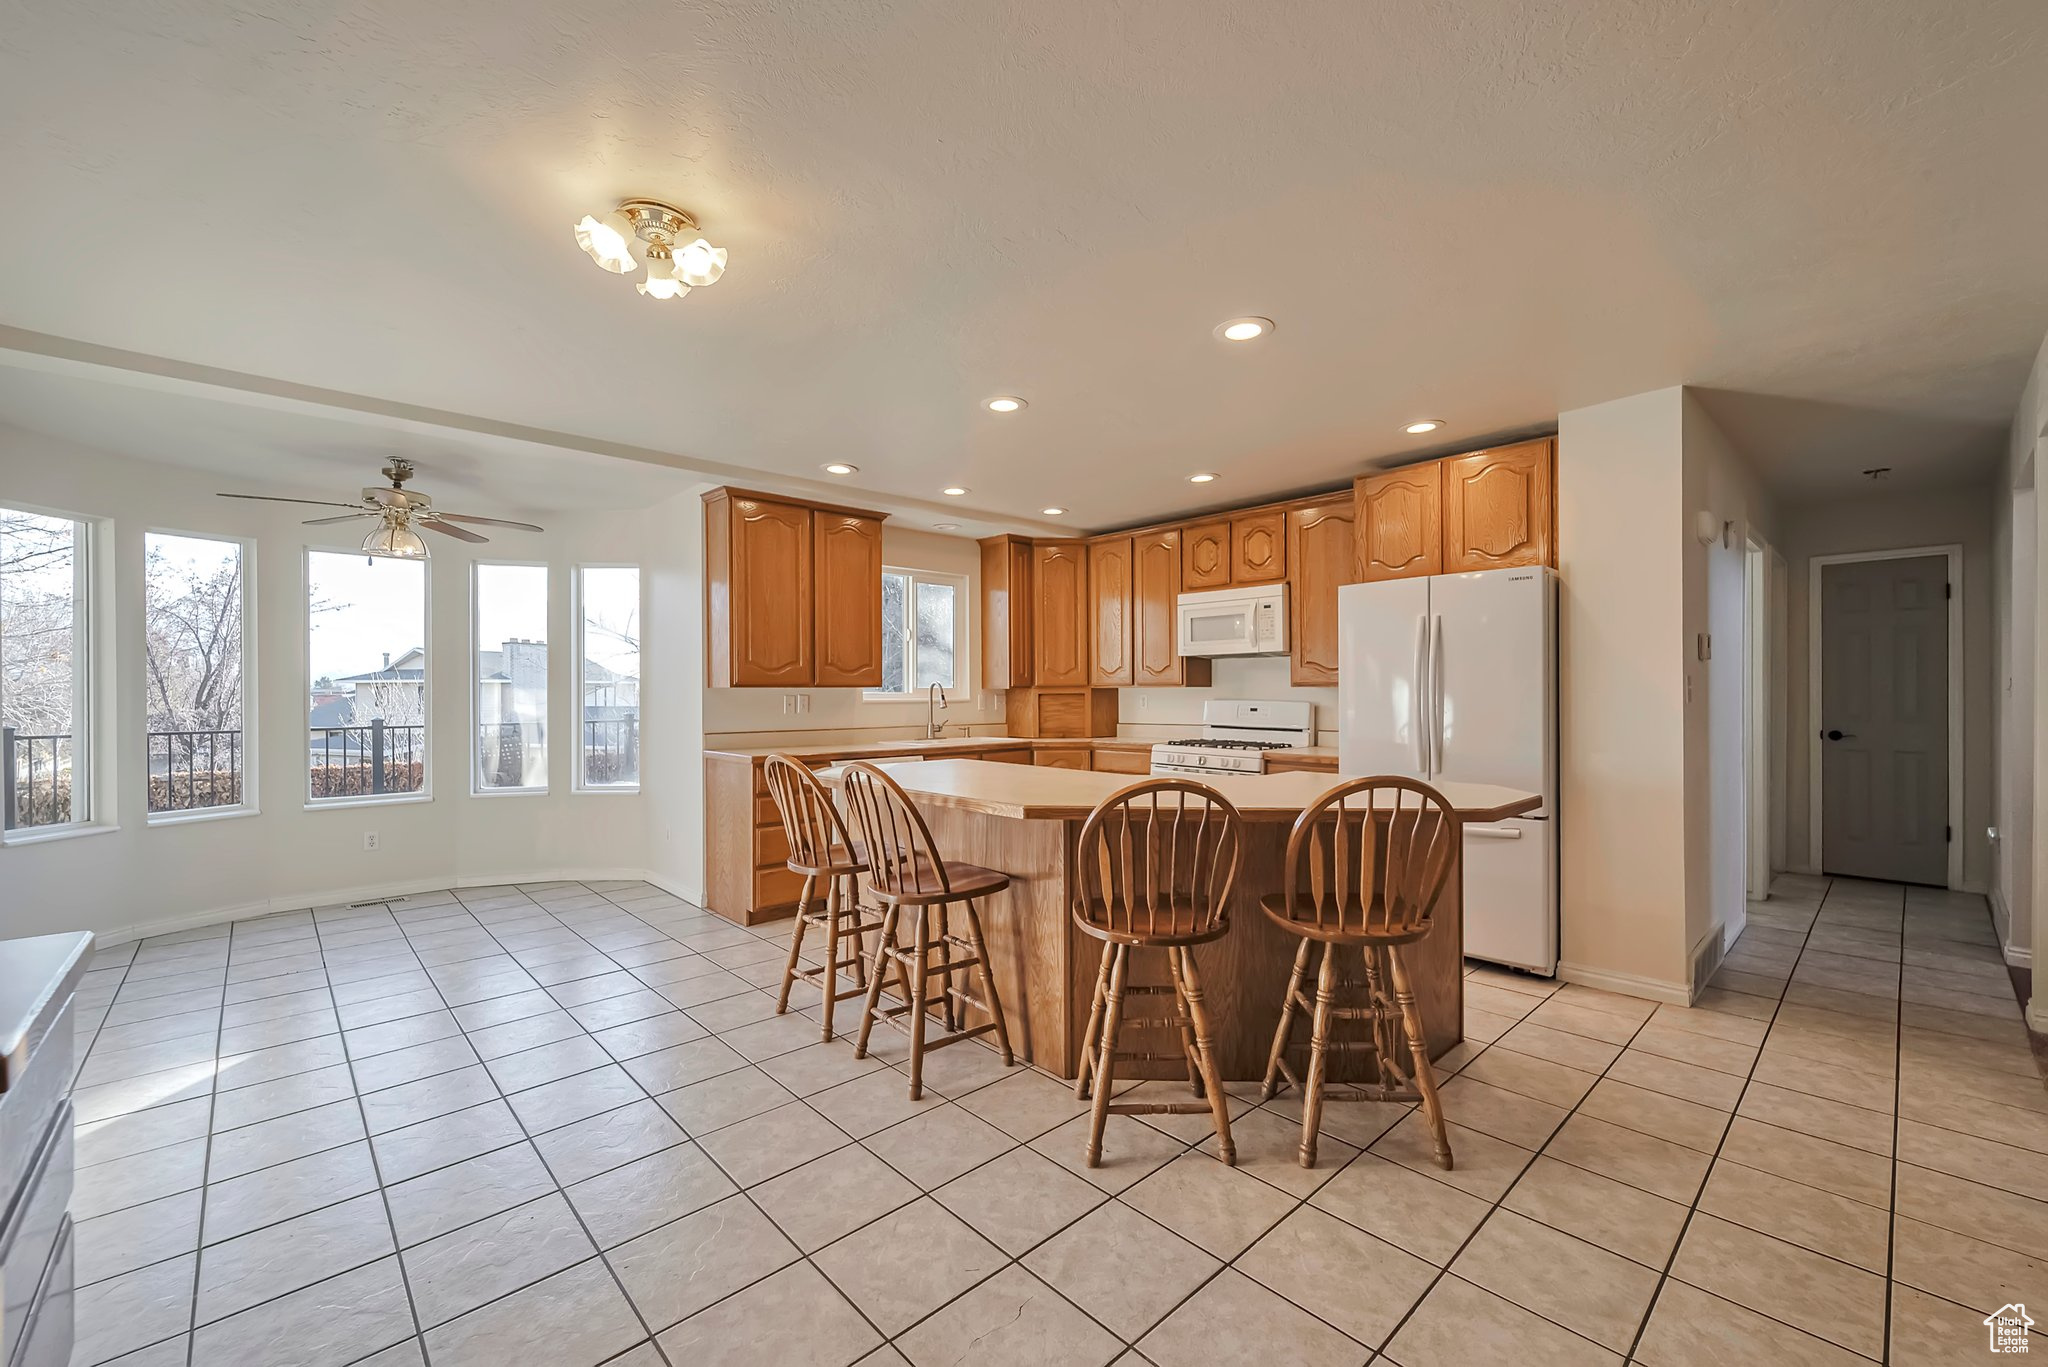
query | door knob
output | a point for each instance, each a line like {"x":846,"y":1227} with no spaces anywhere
{"x":1839,"y":735}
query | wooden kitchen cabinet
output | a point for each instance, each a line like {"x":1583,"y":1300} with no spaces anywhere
{"x":1321,"y":551}
{"x":1498,"y":508}
{"x":1399,"y":523}
{"x":1007,"y":649}
{"x":847,"y":555}
{"x":1205,"y":555}
{"x":1110,"y":603}
{"x":1258,"y":548}
{"x":1155,"y":622}
{"x":760,"y":591}
{"x":1061,"y":757}
{"x":1059,"y":571}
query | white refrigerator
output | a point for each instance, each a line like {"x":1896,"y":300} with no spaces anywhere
{"x":1453,"y":678}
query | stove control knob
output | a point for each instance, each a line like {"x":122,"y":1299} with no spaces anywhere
{"x":1202,"y":760}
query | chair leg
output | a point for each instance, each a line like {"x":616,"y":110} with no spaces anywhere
{"x":987,"y":975}
{"x":942,"y":941}
{"x":796,"y":942}
{"x":1425,"y":1075}
{"x":1187,"y":1027}
{"x":1271,"y":1086}
{"x":1318,"y":1058}
{"x":885,"y":944}
{"x":833,"y":908}
{"x":1205,"y":1051}
{"x":1089,"y":1036}
{"x":860,"y":939}
{"x":1105,"y":1056}
{"x":920,"y":998}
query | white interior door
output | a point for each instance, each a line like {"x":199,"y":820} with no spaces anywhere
{"x":1380,"y":644}
{"x":1884,"y":719}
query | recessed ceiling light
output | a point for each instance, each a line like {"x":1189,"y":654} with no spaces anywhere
{"x":1417,"y":428}
{"x":1053,"y":512}
{"x":840,"y":467}
{"x":953,"y":491}
{"x":1204,"y":477}
{"x":1005,"y":403}
{"x":1244,"y":329}
{"x":945,"y":526}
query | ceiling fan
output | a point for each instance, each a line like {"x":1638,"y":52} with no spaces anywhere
{"x":398,"y":511}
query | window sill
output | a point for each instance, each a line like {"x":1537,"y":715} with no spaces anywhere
{"x":869,"y":695}
{"x":54,"y":834}
{"x":202,"y":816}
{"x":610,"y":790}
{"x":331,"y":804}
{"x":510,"y":792}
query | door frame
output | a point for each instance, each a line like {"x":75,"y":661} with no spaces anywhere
{"x":1757,"y":712}
{"x":1953,"y":552}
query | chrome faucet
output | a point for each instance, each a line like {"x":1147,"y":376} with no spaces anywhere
{"x":934,"y":703}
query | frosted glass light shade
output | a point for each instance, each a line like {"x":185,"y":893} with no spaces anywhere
{"x":605,"y":240}
{"x":700,"y":263}
{"x":394,"y":541}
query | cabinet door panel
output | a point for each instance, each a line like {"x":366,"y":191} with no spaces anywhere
{"x":1497,"y":508}
{"x":1205,"y":555}
{"x":1061,"y":580}
{"x":772,"y":594}
{"x":1319,"y":547}
{"x":1155,"y":649}
{"x":1399,"y":523}
{"x":848,"y":552}
{"x":1109,"y":613}
{"x":1258,"y":548}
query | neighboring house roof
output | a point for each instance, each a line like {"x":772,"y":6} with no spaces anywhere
{"x":336,"y":712}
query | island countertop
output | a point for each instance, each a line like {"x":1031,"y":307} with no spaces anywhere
{"x":1031,"y":793}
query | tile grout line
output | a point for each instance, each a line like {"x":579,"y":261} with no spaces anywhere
{"x":1891,"y":1214}
{"x":206,"y":1164}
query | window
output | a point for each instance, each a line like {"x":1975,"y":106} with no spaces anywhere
{"x":510,"y":612}
{"x":921,"y":619}
{"x":366,"y":658}
{"x":45,"y":694}
{"x":197,"y":730}
{"x":608,"y":677}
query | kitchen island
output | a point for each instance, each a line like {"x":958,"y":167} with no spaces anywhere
{"x":1024,"y":821}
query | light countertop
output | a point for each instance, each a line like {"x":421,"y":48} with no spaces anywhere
{"x":36,"y":976}
{"x":1032,"y":793}
{"x":813,"y":750}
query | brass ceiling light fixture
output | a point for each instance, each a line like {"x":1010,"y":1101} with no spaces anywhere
{"x":672,"y":271}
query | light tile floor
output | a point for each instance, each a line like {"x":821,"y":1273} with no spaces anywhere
{"x":560,"y":1124}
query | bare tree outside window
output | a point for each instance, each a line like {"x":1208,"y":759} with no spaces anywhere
{"x":44,"y":768}
{"x":197,"y":735}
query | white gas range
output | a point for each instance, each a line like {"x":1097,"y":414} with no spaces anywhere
{"x":1236,"y":733}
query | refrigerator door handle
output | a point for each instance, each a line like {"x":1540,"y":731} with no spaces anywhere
{"x":1436,"y":691}
{"x":1494,"y":832}
{"x":1418,"y":712}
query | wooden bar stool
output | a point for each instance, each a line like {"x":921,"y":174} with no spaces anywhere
{"x":907,"y":875}
{"x":1366,"y":864}
{"x":819,"y":848}
{"x":1155,"y":865}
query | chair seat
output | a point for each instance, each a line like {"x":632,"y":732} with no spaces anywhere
{"x":961,"y":882}
{"x":1175,"y":922}
{"x":840,"y":861}
{"x":1275,"y":906}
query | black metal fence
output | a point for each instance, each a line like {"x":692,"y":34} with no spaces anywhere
{"x":35,"y":779}
{"x":611,"y":751}
{"x":194,"y":770}
{"x":351,"y":761}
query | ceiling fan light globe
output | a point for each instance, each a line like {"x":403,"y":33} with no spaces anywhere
{"x":700,"y":263}
{"x":394,"y":540}
{"x":605,"y":241}
{"x":661,"y":286}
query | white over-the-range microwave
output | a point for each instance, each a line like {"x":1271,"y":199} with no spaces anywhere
{"x":1251,"y":621}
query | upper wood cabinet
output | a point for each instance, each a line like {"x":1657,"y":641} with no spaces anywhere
{"x":1258,"y":547}
{"x":1155,"y":646}
{"x":1400,"y":523}
{"x":1486,"y":510}
{"x":1205,"y":555}
{"x":1060,"y":574}
{"x":1321,"y":553}
{"x":1007,"y":637}
{"x":847,"y":554}
{"x":1110,"y":601}
{"x":766,"y":617}
{"x":1499,"y":509}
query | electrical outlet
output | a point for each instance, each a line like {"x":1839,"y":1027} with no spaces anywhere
{"x":803,"y":702}
{"x":1144,"y":703}
{"x":369,"y":842}
{"x":789,"y":704}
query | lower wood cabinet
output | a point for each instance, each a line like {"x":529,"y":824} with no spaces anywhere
{"x":1061,"y":757}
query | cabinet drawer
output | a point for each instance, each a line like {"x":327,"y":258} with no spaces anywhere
{"x":776,"y":888}
{"x":1007,"y":756}
{"x":33,"y":1229}
{"x":1123,"y":761}
{"x":765,"y":813}
{"x":46,"y":1339}
{"x":1061,"y":757}
{"x":35,"y":1095}
{"x":771,"y":847}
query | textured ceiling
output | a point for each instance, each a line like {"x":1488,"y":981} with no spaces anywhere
{"x":1827,"y":212}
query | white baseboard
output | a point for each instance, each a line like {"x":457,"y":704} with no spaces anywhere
{"x":2037,"y":1015}
{"x":1627,"y":984}
{"x":2018,"y":956}
{"x":373,"y":892}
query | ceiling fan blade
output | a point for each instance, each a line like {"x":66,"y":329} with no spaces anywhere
{"x":316,"y":502}
{"x":330,"y":521}
{"x":460,"y":534}
{"x":487,"y":521}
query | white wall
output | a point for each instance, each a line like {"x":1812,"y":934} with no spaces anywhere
{"x":1890,"y":520}
{"x":286,"y":855}
{"x":2022,"y":740}
{"x":673,"y":697}
{"x":1166,"y":713}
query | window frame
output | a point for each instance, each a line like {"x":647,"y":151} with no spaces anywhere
{"x":962,"y":626}
{"x":86,"y":689}
{"x":577,"y":623}
{"x":251,"y":803}
{"x":476,"y":683}
{"x":425,"y":792}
